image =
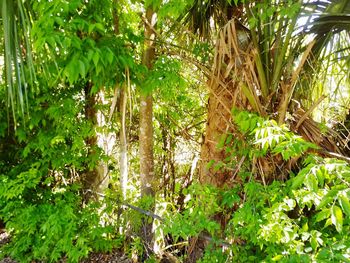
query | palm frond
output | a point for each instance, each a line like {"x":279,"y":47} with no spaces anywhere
{"x":330,"y":55}
{"x":202,"y":17}
{"x":17,"y":54}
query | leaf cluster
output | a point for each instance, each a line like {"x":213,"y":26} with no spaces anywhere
{"x":302,"y":219}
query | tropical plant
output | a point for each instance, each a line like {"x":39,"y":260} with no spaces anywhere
{"x":16,"y":26}
{"x":114,"y":156}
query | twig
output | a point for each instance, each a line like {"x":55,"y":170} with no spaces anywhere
{"x":238,"y":167}
{"x":145,"y":212}
{"x":336,"y":155}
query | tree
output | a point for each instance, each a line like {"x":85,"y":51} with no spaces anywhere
{"x":252,"y":69}
{"x":147,"y":176}
{"x":260,"y":57}
{"x":263,"y":192}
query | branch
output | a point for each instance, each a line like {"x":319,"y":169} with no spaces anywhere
{"x":336,"y":155}
{"x":155,"y":216}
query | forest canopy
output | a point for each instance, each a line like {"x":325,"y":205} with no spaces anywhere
{"x":175,"y":131}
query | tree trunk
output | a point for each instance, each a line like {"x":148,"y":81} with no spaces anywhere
{"x":123,"y":151}
{"x":147,"y":177}
{"x":218,"y":124}
{"x":93,"y":179}
{"x":123,"y":158}
{"x":90,"y":176}
{"x":225,"y":93}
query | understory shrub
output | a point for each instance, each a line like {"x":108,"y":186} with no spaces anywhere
{"x":41,"y":195}
{"x":304,"y":218}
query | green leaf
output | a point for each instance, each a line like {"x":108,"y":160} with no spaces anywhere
{"x":323,"y":214}
{"x":328,"y":198}
{"x":91,"y":28}
{"x":298,"y":180}
{"x":277,"y":258}
{"x":218,"y":166}
{"x":313,"y":242}
{"x":72,"y":71}
{"x":21,"y":135}
{"x":344,"y":203}
{"x":110,"y":56}
{"x":337,"y":218}
{"x":320,"y":173}
{"x":90,"y":54}
{"x":311,"y":182}
{"x":96,"y":58}
{"x":229,"y":139}
{"x":210,"y":164}
{"x":328,"y":223}
{"x":57,"y":139}
{"x":100,"y":27}
{"x":221,"y":142}
{"x":82,"y":69}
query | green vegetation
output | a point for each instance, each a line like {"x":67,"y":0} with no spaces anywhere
{"x":175,"y":131}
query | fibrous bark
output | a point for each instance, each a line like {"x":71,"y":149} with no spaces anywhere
{"x":225,"y":93}
{"x":218,"y":124}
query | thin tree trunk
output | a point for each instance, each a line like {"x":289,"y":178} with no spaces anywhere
{"x":146,"y":164}
{"x":90,"y":179}
{"x":123,"y":143}
{"x":95,"y":180}
{"x":146,"y":146}
{"x":123,"y":151}
{"x":147,"y":177}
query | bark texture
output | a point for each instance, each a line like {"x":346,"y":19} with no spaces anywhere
{"x":218,"y":124}
{"x":94,"y":180}
{"x":91,"y":176}
{"x":146,"y":146}
{"x":147,"y":177}
{"x":225,"y":93}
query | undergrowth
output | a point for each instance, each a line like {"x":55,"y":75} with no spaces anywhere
{"x":303,"y":217}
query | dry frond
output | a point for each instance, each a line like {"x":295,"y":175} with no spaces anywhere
{"x":310,"y":130}
{"x":233,"y":69}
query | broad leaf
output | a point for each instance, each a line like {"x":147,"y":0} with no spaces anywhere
{"x":344,"y":203}
{"x":337,"y":218}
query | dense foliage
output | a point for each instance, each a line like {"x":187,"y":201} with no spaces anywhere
{"x":302,"y":219}
{"x":70,"y":92}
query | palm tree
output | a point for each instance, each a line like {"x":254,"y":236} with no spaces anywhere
{"x":17,"y":53}
{"x":263,"y":60}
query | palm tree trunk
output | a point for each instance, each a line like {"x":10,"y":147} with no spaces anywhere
{"x":218,"y":124}
{"x":225,"y":93}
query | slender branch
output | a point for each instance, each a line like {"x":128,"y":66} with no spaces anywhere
{"x":335,"y":155}
{"x":145,"y":212}
{"x":155,"y":216}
